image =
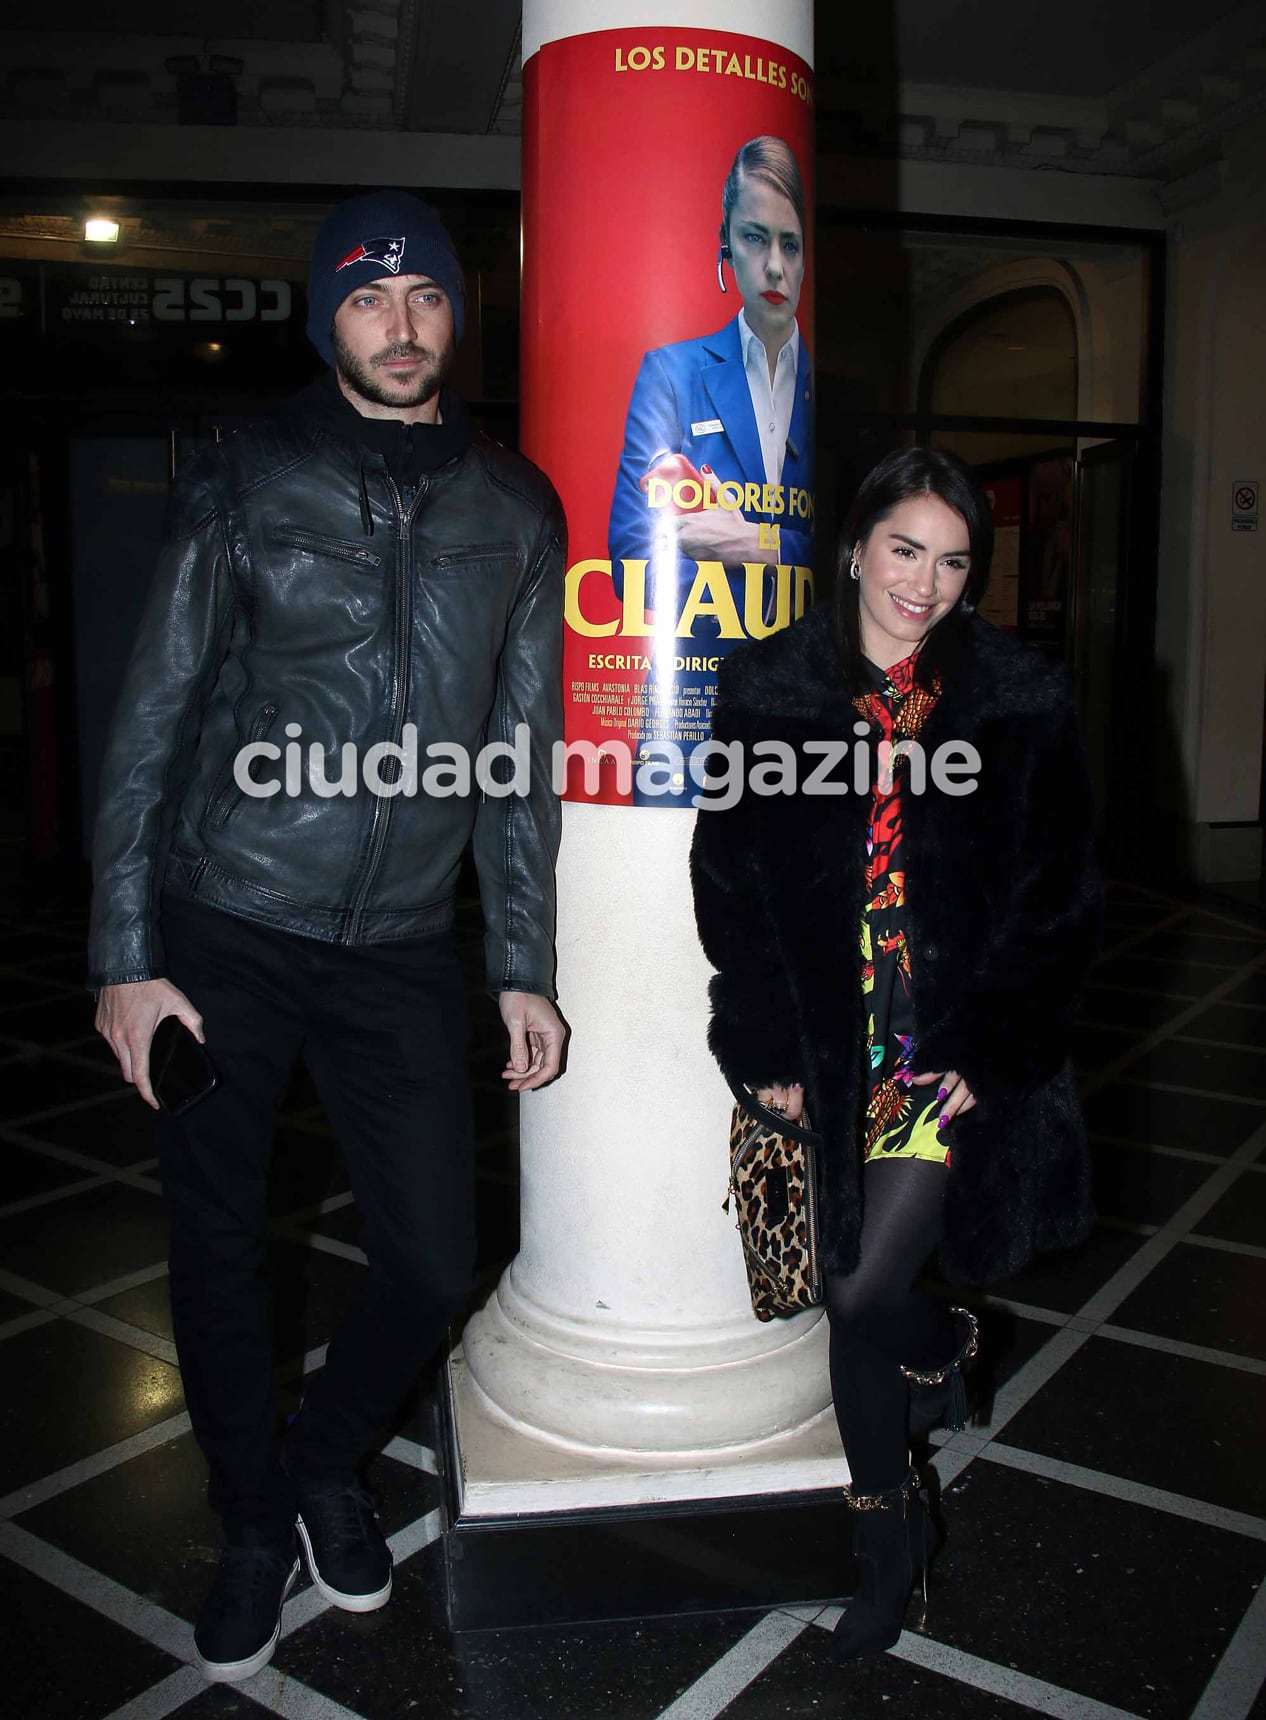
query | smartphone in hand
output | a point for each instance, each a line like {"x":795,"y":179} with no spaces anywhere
{"x":180,"y":1071}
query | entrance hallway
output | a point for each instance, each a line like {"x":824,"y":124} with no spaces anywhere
{"x":1107,"y":1522}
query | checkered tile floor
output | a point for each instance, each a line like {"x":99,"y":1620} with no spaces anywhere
{"x":1107,"y":1521}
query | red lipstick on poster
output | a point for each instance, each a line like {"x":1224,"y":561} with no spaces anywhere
{"x":774,"y":298}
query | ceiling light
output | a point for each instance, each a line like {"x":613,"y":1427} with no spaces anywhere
{"x":100,"y":230}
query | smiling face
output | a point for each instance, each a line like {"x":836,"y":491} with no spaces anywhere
{"x":767,"y":253}
{"x":393,"y":346}
{"x":914,"y":565}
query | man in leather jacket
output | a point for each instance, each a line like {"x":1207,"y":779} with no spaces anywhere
{"x":361,"y":575}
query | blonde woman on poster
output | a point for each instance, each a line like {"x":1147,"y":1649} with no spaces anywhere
{"x":717,"y":462}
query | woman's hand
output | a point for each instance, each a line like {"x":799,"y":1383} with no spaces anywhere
{"x":953,"y":1092}
{"x":787,"y":1101}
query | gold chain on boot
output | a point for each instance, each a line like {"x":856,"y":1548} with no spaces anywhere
{"x":882,"y":1501}
{"x":964,"y":1355}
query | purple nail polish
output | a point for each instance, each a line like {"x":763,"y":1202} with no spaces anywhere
{"x":942,"y":1092}
{"x":942,"y":1120}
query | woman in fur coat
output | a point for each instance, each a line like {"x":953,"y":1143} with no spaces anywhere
{"x":902,"y":958}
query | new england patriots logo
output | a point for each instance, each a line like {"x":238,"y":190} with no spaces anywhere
{"x":388,"y":252}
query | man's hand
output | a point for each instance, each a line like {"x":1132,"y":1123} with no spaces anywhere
{"x":787,"y":1101}
{"x":953,"y":1092}
{"x":536,"y":1040}
{"x":720,"y":535}
{"x":126,"y":1018}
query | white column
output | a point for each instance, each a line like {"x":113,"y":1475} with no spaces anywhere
{"x":618,"y":1360}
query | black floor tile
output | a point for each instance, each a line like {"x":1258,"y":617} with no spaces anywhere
{"x":70,"y":967}
{"x":13,"y":1307}
{"x":1034,"y":1574}
{"x":86,"y":1239}
{"x":1184,"y":944}
{"x":376,"y":1665}
{"x":119,"y":1131}
{"x":1202,"y":1124}
{"x":18,"y":991}
{"x":93,"y":1050}
{"x":310,"y":1292}
{"x":81,"y":1393}
{"x":1240,"y":1216}
{"x":804,"y":1683}
{"x":1140,"y":1011}
{"x":147,"y":1306}
{"x":1142,"y":1187}
{"x":224,"y":1702}
{"x":73,"y":1663}
{"x":1095,"y":1047}
{"x":146,"y":1523}
{"x":1250,"y":990}
{"x":1184,"y":981}
{"x":1234,"y":1023}
{"x":51,"y":1018}
{"x":1069,"y":1278}
{"x":24,"y":1173}
{"x":1122,"y":916}
{"x":1007,"y":1342}
{"x":1188,"y":1427}
{"x":29,"y":1084}
{"x":1202,"y":1296}
{"x":1221,"y":925}
{"x":17,"y":947}
{"x":1238,"y":1074}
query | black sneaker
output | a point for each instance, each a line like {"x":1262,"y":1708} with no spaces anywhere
{"x":240,"y":1621}
{"x":349,"y":1560}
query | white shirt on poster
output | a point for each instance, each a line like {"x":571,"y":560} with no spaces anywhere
{"x":772,"y":403}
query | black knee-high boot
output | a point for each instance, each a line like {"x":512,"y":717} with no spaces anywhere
{"x":939,"y":1398}
{"x":893,"y":1543}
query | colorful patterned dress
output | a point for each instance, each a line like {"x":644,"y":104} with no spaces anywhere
{"x":900,"y":1118}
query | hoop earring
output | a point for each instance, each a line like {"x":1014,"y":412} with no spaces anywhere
{"x":854,"y":572}
{"x":721,"y":256}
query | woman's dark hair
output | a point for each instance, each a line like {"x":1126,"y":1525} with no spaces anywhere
{"x":900,"y":477}
{"x":770,"y":159}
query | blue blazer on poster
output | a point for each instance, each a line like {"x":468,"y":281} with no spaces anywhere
{"x":692,"y":398}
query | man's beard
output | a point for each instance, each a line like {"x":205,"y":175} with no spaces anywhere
{"x":360,"y":374}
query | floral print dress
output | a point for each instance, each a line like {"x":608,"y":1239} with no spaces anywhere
{"x":900,"y":1118}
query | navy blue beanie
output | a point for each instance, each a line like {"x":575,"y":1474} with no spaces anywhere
{"x":368,"y":238}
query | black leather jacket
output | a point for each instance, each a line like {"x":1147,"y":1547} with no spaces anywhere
{"x":299,"y":584}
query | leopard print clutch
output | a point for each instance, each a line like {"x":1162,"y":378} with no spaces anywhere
{"x":773,"y":1184}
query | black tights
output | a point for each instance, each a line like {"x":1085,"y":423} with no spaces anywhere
{"x":880,"y":1322}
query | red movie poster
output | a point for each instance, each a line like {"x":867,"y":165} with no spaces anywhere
{"x":667,"y":309}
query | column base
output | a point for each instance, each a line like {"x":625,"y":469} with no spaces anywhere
{"x":539,"y":1534}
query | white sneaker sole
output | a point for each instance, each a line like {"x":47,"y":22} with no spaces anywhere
{"x":348,"y":1603}
{"x":234,"y":1671}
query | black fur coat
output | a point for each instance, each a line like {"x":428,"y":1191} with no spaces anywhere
{"x":1003,"y":905}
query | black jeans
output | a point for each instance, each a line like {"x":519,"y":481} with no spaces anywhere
{"x":383,"y":1030}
